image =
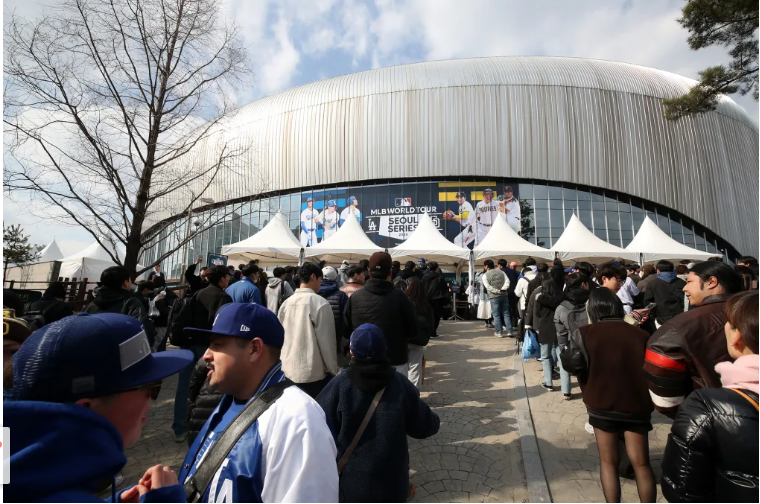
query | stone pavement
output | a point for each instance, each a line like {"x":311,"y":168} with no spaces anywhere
{"x":569,"y":454}
{"x":475,"y":383}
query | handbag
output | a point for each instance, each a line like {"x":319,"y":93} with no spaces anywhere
{"x":196,"y":485}
{"x":350,"y":450}
{"x":530,"y":348}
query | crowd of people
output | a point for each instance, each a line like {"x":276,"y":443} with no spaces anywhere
{"x":681,"y":339}
{"x":280,"y":377}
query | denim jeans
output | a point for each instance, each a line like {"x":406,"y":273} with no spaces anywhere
{"x":500,"y":312}
{"x":179,"y":425}
{"x":564,"y":376}
{"x":547,"y":360}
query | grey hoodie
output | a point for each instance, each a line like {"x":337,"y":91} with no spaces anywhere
{"x":343,"y":273}
{"x":277,"y":292}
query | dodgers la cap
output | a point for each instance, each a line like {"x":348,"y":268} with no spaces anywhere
{"x":331,"y":203}
{"x":247,"y":321}
{"x":87,"y":356}
{"x":368,"y":343}
{"x":351,"y":199}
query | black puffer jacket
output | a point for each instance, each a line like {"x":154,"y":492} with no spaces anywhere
{"x":53,"y":310}
{"x":330,"y":290}
{"x":110,"y":300}
{"x":425,"y":326}
{"x":711,"y":455}
{"x":389,"y":309}
{"x":201,"y":401}
{"x":435,"y":285}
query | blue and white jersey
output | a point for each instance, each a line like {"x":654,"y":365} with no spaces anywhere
{"x":287,"y":455}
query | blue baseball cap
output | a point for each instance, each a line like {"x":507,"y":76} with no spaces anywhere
{"x":351,"y":199}
{"x":247,"y":321}
{"x":368,"y":343}
{"x":331,"y":203}
{"x":309,"y":199}
{"x":88,"y":356}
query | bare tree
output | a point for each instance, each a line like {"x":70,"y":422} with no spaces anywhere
{"x":115,"y":113}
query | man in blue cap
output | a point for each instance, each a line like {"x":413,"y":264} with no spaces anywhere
{"x":329,"y":220}
{"x":82,"y":388}
{"x":378,"y":468}
{"x":309,"y":221}
{"x":286,"y":454}
{"x":352,"y":208}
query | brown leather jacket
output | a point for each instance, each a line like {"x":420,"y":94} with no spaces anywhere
{"x":682,"y":354}
{"x":351,"y":287}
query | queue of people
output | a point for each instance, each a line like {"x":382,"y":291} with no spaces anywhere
{"x":274,"y":382}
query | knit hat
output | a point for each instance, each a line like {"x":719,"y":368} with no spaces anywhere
{"x":368,"y":343}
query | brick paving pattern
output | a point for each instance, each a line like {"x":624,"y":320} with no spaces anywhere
{"x":569,"y":453}
{"x":476,"y":456}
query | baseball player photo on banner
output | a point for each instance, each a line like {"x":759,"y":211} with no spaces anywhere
{"x":309,"y":221}
{"x":329,"y":218}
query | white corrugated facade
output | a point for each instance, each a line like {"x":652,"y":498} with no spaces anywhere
{"x":590,"y":122}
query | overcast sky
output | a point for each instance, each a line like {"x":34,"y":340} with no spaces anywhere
{"x":296,"y":42}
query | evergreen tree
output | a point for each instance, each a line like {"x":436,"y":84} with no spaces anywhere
{"x":16,"y":248}
{"x":729,"y":23}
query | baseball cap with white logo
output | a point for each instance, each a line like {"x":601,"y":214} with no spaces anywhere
{"x":247,"y":321}
{"x":88,"y":356}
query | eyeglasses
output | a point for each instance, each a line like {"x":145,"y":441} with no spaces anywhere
{"x":152,"y":389}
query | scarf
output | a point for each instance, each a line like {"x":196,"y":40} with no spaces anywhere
{"x":742,"y":373}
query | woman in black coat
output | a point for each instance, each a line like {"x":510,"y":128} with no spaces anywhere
{"x":547,"y":299}
{"x":712,"y":449}
{"x":425,"y":329}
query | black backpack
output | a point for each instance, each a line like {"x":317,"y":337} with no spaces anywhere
{"x":574,"y":357}
{"x":35,"y":319}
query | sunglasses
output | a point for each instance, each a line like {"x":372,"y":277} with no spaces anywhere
{"x":152,"y":389}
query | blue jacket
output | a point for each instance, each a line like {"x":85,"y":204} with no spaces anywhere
{"x":244,"y":291}
{"x":298,"y":466}
{"x":63,"y":453}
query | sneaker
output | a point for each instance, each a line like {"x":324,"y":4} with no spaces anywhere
{"x":499,"y":335}
{"x":180,"y":438}
{"x":589,"y":428}
{"x":568,"y":397}
{"x":435,"y":336}
{"x":547,"y":387}
{"x":538,"y":359}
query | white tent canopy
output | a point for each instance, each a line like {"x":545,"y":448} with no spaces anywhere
{"x":426,"y":241}
{"x":653,"y":245}
{"x":349,"y":243}
{"x":50,"y":253}
{"x":275,"y":244}
{"x":502,"y":242}
{"x":89,"y":263}
{"x":577,"y":243}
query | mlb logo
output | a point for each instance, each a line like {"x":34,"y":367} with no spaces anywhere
{"x":403,"y":201}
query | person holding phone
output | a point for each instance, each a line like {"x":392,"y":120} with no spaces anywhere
{"x":667,"y":291}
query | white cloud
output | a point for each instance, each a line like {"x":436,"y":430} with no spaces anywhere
{"x":282,"y":61}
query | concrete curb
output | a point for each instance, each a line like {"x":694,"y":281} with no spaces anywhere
{"x":538,"y":489}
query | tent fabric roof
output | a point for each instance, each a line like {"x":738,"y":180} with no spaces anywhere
{"x":655,"y":245}
{"x":50,"y":253}
{"x":349,"y":243}
{"x":93,"y":252}
{"x":274,"y":244}
{"x":89,"y":263}
{"x":426,"y":241}
{"x":579,"y":244}
{"x":502,"y":242}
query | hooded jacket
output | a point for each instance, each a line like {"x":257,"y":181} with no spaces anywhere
{"x":435,"y":285}
{"x":278,"y":290}
{"x":521,"y":289}
{"x":63,"y":452}
{"x":343,"y":273}
{"x":379,"y":303}
{"x":110,"y":300}
{"x":543,"y":316}
{"x":378,"y":470}
{"x":667,"y":291}
{"x":711,"y":455}
{"x":682,"y":354}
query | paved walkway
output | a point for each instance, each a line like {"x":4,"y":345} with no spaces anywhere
{"x":569,"y":454}
{"x":485,"y":450}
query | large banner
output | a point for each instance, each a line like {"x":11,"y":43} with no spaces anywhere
{"x":463,"y":211}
